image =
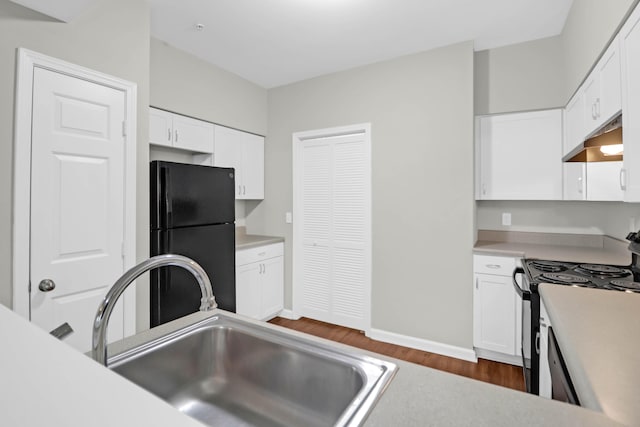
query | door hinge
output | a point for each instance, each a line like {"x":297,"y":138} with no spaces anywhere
{"x":124,"y":128}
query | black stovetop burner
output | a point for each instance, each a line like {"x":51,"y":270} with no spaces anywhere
{"x":598,"y":276}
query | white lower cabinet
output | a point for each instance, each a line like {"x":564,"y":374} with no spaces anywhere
{"x":260,"y":281}
{"x":497,"y":310}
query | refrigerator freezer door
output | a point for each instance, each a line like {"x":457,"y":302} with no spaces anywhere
{"x":184,"y":195}
{"x":174,"y":292}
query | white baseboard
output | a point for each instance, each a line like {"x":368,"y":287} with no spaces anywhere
{"x":288,"y":314}
{"x":424,"y":345}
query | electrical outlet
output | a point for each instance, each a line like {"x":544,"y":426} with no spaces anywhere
{"x":506,"y":218}
{"x":288,"y":218}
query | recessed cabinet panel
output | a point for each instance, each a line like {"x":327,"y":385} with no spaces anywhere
{"x":160,"y":127}
{"x":520,"y":156}
{"x":260,"y":281}
{"x":575,"y":181}
{"x":497,"y":309}
{"x":244,"y":152}
{"x":181,"y":132}
{"x":604,"y":181}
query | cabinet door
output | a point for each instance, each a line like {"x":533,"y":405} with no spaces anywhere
{"x":520,"y":156}
{"x":591,"y":99}
{"x":248,"y":290}
{"x":574,"y":122}
{"x":603,"y":181}
{"x":495,"y":314}
{"x":160,"y":127}
{"x":575,"y":181}
{"x":609,"y":103}
{"x":193,"y":135}
{"x":272,"y":287}
{"x":228,"y":153}
{"x":252,"y":167}
{"x":630,"y":58}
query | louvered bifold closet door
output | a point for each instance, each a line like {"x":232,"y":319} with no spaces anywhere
{"x":336,"y":282}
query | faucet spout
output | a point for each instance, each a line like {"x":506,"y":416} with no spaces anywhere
{"x":99,"y":337}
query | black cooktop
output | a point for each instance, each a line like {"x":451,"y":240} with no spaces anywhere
{"x":599,"y":276}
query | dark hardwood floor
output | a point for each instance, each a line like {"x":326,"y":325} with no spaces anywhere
{"x":485,"y":370}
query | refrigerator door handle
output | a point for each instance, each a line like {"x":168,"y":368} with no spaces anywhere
{"x":167,"y":198}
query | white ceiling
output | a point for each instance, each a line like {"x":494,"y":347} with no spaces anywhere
{"x":276,"y":42}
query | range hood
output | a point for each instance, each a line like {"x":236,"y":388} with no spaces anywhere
{"x":605,"y":145}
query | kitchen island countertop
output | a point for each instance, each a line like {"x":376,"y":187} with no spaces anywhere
{"x":597,"y":331}
{"x":418,"y":396}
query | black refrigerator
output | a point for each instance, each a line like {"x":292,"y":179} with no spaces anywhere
{"x":192,"y":214}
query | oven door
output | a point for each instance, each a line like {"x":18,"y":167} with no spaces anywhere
{"x":530,"y":332}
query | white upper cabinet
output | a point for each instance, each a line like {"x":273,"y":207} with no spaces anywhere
{"x":176,"y":131}
{"x":519,"y":156}
{"x":244,"y":152}
{"x":602,"y":89}
{"x":604,"y":181}
{"x":574,"y":122}
{"x":575,"y":181}
{"x":630,"y":59}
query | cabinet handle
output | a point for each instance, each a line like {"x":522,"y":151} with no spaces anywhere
{"x":493,"y":266}
{"x":262,"y":253}
{"x":239,"y":190}
{"x":244,"y":190}
{"x":476,"y":283}
{"x":484,"y":189}
{"x":168,"y":134}
{"x":537,"y":342}
{"x":176,"y":135}
{"x":623,"y":179}
{"x":579,"y":185}
{"x":597,"y":107}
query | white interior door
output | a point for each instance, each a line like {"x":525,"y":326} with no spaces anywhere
{"x":333,"y":230}
{"x":77,"y":202}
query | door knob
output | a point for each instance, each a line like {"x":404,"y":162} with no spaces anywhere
{"x":46,"y":285}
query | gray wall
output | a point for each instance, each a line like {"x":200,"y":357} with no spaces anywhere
{"x":421,"y":111}
{"x":525,"y":76}
{"x":615,"y":219}
{"x":182,"y":83}
{"x":112,"y":37}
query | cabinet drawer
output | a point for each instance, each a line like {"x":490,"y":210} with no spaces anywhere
{"x":247,"y":256}
{"x":497,"y":265}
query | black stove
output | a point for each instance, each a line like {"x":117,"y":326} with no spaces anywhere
{"x":597,"y":276}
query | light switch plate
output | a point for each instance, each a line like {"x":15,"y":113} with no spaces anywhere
{"x":288,"y":218}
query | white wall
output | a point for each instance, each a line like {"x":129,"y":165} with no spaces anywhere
{"x":111,"y":37}
{"x":421,"y":111}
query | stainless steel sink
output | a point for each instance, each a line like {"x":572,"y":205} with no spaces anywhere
{"x":226,"y":372}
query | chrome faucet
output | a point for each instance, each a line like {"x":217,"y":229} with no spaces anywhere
{"x":99,"y":341}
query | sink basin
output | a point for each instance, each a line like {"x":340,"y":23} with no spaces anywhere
{"x":226,"y":371}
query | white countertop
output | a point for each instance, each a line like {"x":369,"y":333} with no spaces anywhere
{"x":69,"y":389}
{"x":598,"y":332}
